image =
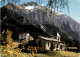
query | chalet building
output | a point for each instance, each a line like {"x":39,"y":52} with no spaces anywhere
{"x":53,"y":43}
{"x":25,"y":36}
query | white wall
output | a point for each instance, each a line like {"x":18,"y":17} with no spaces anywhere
{"x":57,"y":48}
{"x":46,"y":45}
{"x":63,"y":48}
{"x":24,"y":36}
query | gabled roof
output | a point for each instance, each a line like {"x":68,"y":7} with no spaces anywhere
{"x":49,"y":39}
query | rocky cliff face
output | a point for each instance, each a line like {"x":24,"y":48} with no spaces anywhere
{"x":41,"y":15}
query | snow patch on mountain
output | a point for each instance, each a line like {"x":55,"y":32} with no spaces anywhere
{"x":29,"y":7}
{"x":58,"y":13}
{"x":42,"y":5}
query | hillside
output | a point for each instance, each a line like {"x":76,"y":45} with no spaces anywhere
{"x":14,"y":22}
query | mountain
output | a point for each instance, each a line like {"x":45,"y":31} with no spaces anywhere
{"x":42,"y":15}
{"x":39,"y":20}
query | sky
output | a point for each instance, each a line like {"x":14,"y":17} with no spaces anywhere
{"x":74,"y":8}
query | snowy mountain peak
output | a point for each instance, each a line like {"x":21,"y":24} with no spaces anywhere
{"x":28,"y":6}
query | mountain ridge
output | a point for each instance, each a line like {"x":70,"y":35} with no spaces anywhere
{"x":43,"y":15}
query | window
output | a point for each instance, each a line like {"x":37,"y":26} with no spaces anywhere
{"x":21,"y":35}
{"x":48,"y":44}
{"x":57,"y":45}
{"x":58,"y":38}
{"x":60,"y":47}
{"x":24,"y":35}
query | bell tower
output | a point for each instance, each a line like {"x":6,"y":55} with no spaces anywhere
{"x":58,"y":37}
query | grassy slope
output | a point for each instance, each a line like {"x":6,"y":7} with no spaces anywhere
{"x":58,"y":54}
{"x":0,"y":51}
{"x":52,"y":54}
